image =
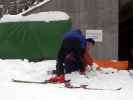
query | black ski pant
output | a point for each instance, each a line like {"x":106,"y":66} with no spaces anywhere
{"x":64,"y":65}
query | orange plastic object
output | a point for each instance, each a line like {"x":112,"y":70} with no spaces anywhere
{"x":120,"y":65}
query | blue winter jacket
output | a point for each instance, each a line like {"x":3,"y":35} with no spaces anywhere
{"x":76,"y":33}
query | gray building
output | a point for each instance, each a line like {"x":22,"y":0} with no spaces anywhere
{"x":92,"y":14}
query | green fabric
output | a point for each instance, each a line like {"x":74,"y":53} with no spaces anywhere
{"x":31,"y":40}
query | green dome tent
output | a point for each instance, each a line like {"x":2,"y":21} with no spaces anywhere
{"x":32,"y":37}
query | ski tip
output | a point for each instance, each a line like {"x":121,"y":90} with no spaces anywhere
{"x":13,"y":80}
{"x":119,"y":89}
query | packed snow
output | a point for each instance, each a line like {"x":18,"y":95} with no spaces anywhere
{"x":42,"y":16}
{"x":24,"y":70}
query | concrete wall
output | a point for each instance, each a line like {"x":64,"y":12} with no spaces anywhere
{"x":93,"y":14}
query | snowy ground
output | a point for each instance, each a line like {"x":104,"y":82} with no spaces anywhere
{"x":37,"y":72}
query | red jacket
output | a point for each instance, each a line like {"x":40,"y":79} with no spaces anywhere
{"x":88,"y":60}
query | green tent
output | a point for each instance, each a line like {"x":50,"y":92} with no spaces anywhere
{"x":32,"y":40}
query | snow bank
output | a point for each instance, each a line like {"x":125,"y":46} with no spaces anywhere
{"x":25,"y":70}
{"x":30,"y":71}
{"x":42,"y":16}
{"x":37,"y":71}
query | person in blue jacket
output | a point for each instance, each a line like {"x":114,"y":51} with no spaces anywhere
{"x":70,"y":54}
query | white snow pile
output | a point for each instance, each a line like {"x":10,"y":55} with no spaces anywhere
{"x":42,"y":16}
{"x":30,"y":71}
{"x":25,"y":70}
{"x":131,"y":73}
{"x":108,"y":70}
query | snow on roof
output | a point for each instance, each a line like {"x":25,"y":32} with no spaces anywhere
{"x":42,"y":16}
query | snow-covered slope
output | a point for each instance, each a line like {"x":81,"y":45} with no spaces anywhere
{"x":42,"y":16}
{"x":37,"y":72}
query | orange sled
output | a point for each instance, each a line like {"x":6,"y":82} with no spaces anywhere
{"x":120,"y":65}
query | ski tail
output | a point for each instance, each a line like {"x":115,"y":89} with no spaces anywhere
{"x":21,"y":81}
{"x":34,"y":82}
{"x":89,"y":88}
